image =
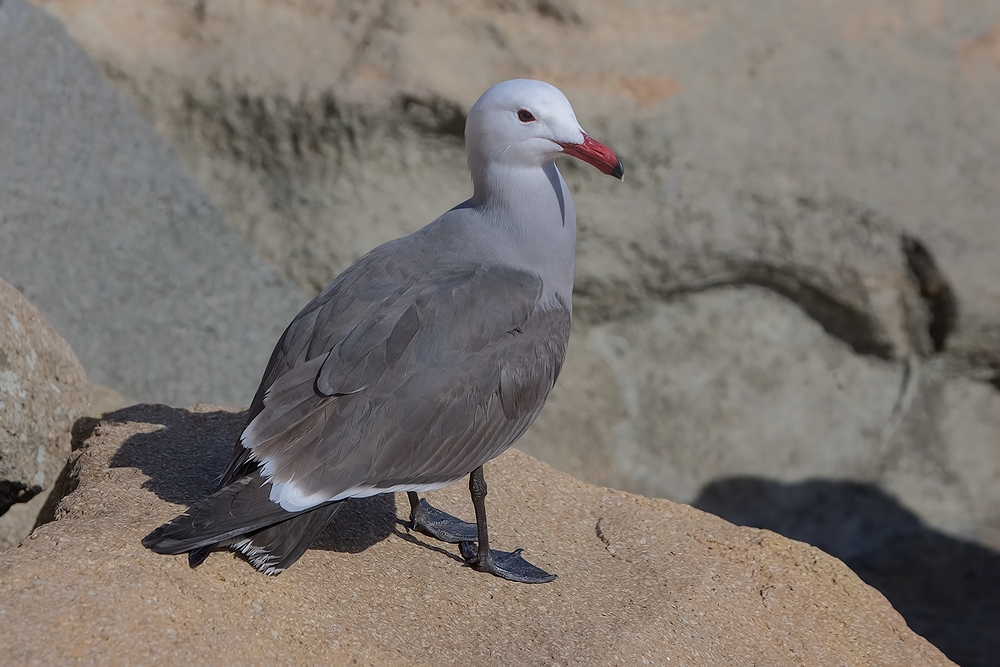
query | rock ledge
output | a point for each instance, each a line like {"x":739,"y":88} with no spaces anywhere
{"x":640,"y":581}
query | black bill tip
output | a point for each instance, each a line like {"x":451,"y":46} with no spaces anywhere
{"x":618,"y":171}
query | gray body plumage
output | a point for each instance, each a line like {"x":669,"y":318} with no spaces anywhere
{"x":422,"y":361}
{"x":426,"y":358}
{"x":413,"y":368}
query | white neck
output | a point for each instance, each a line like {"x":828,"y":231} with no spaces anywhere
{"x":532,"y":221}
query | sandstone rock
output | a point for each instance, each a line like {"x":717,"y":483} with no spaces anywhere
{"x":921,"y":524}
{"x":43,"y":390}
{"x":18,"y":521}
{"x":952,"y":477}
{"x":104,"y":234}
{"x":735,"y":401}
{"x":944,"y":586}
{"x":640,"y":581}
{"x":20,"y":518}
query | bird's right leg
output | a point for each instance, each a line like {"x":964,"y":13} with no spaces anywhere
{"x":431,"y":521}
{"x":509,"y":565}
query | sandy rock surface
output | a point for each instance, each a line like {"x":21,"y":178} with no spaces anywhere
{"x":19,"y":519}
{"x":640,"y":581}
{"x":43,"y":389}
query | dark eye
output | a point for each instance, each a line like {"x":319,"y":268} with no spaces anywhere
{"x":525,"y":116}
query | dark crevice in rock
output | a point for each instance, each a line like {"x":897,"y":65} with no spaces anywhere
{"x":599,"y":531}
{"x":840,"y":320}
{"x":560,"y":12}
{"x":434,"y":116}
{"x":83,"y":428}
{"x":199,"y":11}
{"x":12,"y":493}
{"x":935,"y":290}
{"x":66,"y":483}
{"x":276,"y":134}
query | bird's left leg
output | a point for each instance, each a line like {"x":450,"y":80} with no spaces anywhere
{"x":504,"y":564}
{"x":441,"y":525}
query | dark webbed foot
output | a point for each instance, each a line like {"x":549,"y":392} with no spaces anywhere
{"x":504,"y":564}
{"x":431,"y":521}
{"x":507,"y":565}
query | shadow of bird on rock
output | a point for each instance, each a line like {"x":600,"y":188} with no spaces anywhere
{"x":183,"y":451}
{"x":946,"y":588}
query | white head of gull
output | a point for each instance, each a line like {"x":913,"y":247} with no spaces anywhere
{"x":426,"y":358}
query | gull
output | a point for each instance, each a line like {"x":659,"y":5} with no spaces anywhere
{"x":426,"y":358}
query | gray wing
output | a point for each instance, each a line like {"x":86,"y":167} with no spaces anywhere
{"x":391,"y":380}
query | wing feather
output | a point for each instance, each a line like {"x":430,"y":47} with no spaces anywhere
{"x":389,"y":378}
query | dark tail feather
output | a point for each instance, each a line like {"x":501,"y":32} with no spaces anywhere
{"x":240,"y":508}
{"x":275,"y":548}
{"x":198,"y":556}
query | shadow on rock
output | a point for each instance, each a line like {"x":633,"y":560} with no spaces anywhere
{"x":182,"y":452}
{"x":945,"y":588}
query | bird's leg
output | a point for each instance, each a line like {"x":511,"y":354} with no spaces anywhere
{"x":504,"y":564}
{"x":432,"y":521}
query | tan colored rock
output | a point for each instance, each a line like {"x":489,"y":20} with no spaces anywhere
{"x":20,"y":518}
{"x":43,"y":389}
{"x":640,"y":581}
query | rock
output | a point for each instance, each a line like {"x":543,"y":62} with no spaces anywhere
{"x":742,"y":169}
{"x":43,"y":389}
{"x":925,"y":527}
{"x":944,"y":586}
{"x":640,"y":581}
{"x":735,"y":401}
{"x":732,"y":381}
{"x":944,"y":462}
{"x":20,"y":519}
{"x":101,"y":231}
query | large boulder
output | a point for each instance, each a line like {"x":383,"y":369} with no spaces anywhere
{"x":117,"y":248}
{"x":640,"y":581}
{"x":43,"y":389}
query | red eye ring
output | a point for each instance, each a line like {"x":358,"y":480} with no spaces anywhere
{"x":525,"y":116}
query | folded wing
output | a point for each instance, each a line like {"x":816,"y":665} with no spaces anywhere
{"x":398,"y":388}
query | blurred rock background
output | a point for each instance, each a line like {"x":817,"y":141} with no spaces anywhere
{"x":788,"y":314}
